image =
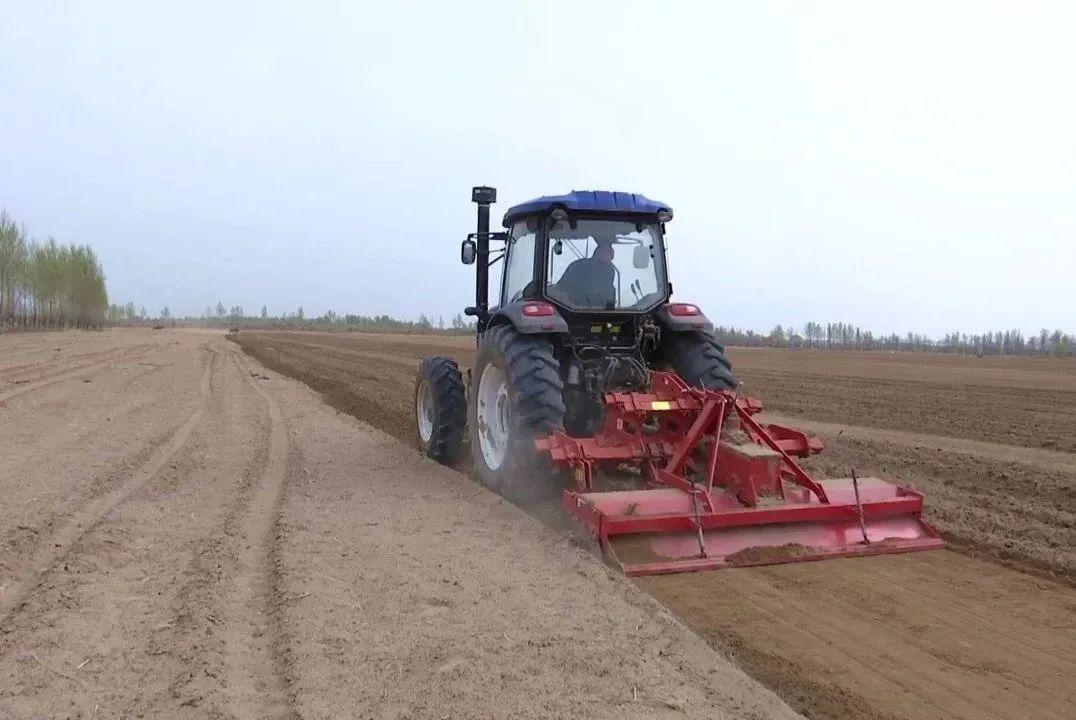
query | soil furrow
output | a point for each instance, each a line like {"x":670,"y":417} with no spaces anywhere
{"x":1051,"y":459}
{"x":211,"y":621}
{"x":969,"y":695}
{"x":833,"y":639}
{"x":1030,"y":417}
{"x":83,"y":371}
{"x":41,"y":369}
{"x":60,"y":543}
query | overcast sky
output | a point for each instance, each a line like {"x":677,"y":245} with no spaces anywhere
{"x":904,"y":166}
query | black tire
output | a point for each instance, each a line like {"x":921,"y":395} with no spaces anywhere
{"x":535,"y":407}
{"x":446,"y":409}
{"x":700,"y":360}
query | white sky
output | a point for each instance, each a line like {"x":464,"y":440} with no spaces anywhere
{"x":904,"y":166}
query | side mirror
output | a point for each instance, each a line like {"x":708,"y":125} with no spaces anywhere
{"x":640,"y":257}
{"x":558,"y":247}
{"x":468,"y":252}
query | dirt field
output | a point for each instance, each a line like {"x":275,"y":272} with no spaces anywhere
{"x":185,"y":533}
{"x":944,"y":634}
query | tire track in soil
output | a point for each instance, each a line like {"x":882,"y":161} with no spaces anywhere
{"x":193,"y":632}
{"x":256,"y":643}
{"x":52,"y":365}
{"x":60,"y":543}
{"x":20,"y":541}
{"x":200,"y":632}
{"x":58,"y":444}
{"x":67,"y":373}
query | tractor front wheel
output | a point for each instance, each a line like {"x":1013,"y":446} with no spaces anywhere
{"x":440,"y":409}
{"x":517,"y":395}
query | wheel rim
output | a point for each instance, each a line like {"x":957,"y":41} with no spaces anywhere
{"x":424,"y":412}
{"x":493,"y":416}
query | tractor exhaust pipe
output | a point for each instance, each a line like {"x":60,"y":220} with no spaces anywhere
{"x":484,"y":197}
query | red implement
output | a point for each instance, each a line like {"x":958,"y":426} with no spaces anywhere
{"x":723,"y":489}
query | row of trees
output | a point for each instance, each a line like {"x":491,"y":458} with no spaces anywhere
{"x":831,"y":336}
{"x":235,"y":316}
{"x":846,"y":336}
{"x":45,"y":284}
{"x":119,"y":314}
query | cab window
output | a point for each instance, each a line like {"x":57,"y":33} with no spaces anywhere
{"x":518,"y":280}
{"x":605,"y":265}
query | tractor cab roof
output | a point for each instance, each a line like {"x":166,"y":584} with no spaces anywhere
{"x":602,"y":201}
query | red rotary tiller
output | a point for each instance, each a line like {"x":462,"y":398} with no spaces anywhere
{"x":723,"y":489}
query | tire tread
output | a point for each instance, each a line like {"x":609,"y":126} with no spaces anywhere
{"x":700,"y":360}
{"x":450,"y":408}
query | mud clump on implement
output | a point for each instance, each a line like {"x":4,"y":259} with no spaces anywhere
{"x":763,"y":554}
{"x":638,"y":549}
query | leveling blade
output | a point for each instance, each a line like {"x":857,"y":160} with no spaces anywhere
{"x":649,"y":532}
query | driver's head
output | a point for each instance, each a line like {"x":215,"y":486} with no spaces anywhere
{"x":604,"y":251}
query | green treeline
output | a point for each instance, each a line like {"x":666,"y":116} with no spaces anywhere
{"x":846,"y":336}
{"x":45,"y":284}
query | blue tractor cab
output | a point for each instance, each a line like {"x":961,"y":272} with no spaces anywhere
{"x":586,"y":253}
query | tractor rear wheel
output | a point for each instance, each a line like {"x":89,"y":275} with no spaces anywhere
{"x":440,"y":409}
{"x":517,"y":395}
{"x":700,"y":360}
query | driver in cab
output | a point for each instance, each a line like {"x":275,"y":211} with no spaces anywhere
{"x":590,"y":282}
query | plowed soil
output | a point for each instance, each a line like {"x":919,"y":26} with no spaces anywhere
{"x":1027,"y":402}
{"x":984,"y":630}
{"x":186,"y":534}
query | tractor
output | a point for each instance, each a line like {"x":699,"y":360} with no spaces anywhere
{"x":587,"y":369}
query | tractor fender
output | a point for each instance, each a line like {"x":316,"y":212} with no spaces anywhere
{"x":670,"y":322}
{"x":512,"y":314}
